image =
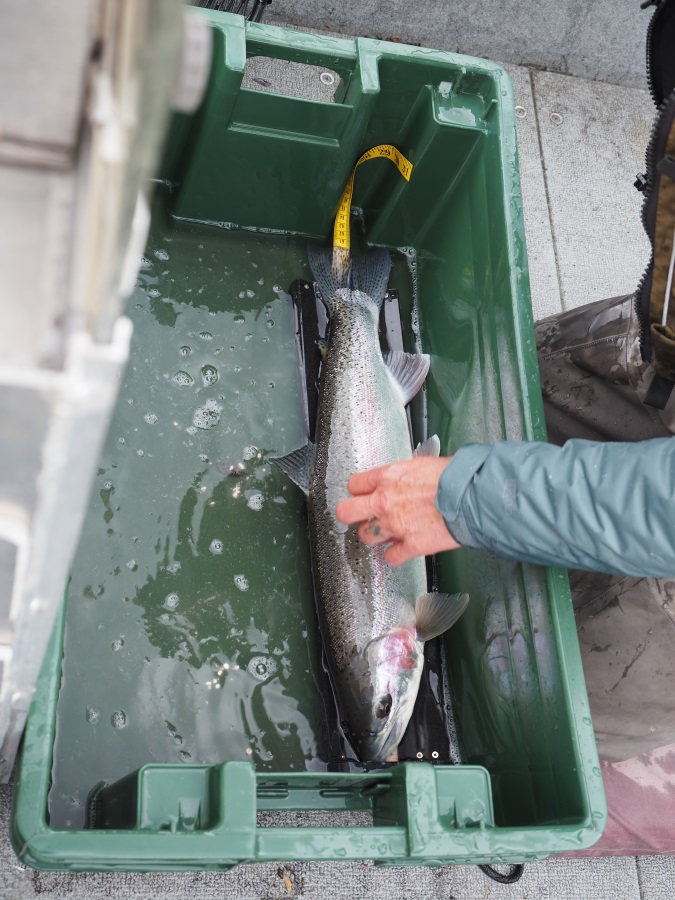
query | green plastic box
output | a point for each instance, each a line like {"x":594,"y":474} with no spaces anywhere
{"x":529,"y":785}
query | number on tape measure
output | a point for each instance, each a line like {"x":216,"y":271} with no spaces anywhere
{"x":341,"y":235}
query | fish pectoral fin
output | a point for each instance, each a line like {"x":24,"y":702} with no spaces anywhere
{"x":430,"y":447}
{"x":435,"y":613}
{"x":298,"y":465}
{"x":408,"y":371}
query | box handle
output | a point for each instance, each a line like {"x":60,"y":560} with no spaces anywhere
{"x":355,"y":61}
{"x":418,"y":810}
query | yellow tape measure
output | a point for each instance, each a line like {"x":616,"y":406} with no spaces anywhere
{"x":341,"y":236}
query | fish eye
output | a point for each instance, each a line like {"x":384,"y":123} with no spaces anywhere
{"x":384,"y":707}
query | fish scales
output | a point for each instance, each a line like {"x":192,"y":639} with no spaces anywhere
{"x":362,"y":424}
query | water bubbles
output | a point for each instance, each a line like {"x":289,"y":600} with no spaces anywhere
{"x":152,"y":292}
{"x":140,"y":453}
{"x":162,"y":254}
{"x":173,"y":568}
{"x":270,"y":323}
{"x":261,"y":667}
{"x":239,"y":319}
{"x":185,"y":756}
{"x":93,"y":715}
{"x":185,"y":350}
{"x":121,"y":440}
{"x":150,"y":418}
{"x":145,"y":263}
{"x":206,"y":335}
{"x":261,"y":281}
{"x":173,"y":733}
{"x":255,"y":500}
{"x":171,"y":601}
{"x":107,"y":485}
{"x":250,"y":294}
{"x":209,"y":375}
{"x":250,"y":452}
{"x":117,"y":644}
{"x":183,"y":378}
{"x":216,"y":547}
{"x":241,"y":295}
{"x":118,"y":719}
{"x":248,"y":336}
{"x":208,"y":415}
{"x":241,"y":581}
{"x":133,"y":565}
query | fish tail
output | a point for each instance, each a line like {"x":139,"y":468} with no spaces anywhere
{"x":367,"y":274}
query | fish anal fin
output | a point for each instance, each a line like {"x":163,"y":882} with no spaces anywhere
{"x":298,"y":465}
{"x":435,"y":613}
{"x":408,"y":371}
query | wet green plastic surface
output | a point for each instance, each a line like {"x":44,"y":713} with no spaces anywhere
{"x":530,"y":783}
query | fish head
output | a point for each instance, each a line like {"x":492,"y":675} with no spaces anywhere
{"x":394,"y":665}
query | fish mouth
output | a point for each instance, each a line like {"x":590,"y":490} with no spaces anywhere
{"x":380,"y":747}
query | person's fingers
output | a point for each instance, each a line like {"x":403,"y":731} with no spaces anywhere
{"x":355,"y":509}
{"x":398,"y":553}
{"x":365,"y":482}
{"x":368,"y":481}
{"x":373,"y":533}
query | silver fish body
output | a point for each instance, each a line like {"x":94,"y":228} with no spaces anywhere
{"x":368,"y":610}
{"x":360,"y":598}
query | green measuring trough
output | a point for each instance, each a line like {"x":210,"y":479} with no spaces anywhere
{"x":246,"y":181}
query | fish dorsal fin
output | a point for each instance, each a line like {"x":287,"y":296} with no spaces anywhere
{"x":430,"y":447}
{"x":298,"y":465}
{"x":435,"y":613}
{"x":408,"y":371}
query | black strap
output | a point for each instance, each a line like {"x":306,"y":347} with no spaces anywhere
{"x":659,"y":392}
{"x":511,"y":877}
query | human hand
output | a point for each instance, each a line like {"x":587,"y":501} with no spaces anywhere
{"x":396,"y":505}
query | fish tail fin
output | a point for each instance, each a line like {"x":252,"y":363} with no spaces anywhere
{"x":368,"y":274}
{"x":329,"y":279}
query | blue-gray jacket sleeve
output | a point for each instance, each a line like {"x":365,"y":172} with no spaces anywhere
{"x":609,"y":507}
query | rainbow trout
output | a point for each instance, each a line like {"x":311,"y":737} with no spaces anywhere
{"x":374,"y":617}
